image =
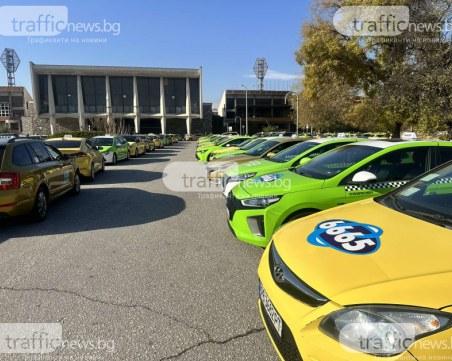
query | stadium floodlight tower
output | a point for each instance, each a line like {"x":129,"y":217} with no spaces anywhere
{"x":10,"y":61}
{"x":260,"y":69}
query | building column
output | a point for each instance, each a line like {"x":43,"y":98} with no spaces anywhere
{"x":136,"y":105}
{"x":52,"y":119}
{"x":163,"y":124}
{"x":108,"y":103}
{"x":80,"y":105}
{"x":188,"y":122}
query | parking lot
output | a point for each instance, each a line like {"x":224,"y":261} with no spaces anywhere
{"x":134,"y":271}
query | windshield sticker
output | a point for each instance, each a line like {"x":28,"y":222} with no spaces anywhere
{"x":268,"y":178}
{"x":429,"y":177}
{"x":347,"y":236}
{"x":409,"y":191}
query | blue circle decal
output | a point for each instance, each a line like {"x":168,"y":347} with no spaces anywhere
{"x":347,"y":236}
{"x":268,"y":178}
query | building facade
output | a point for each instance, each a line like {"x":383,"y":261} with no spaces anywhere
{"x":15,"y":103}
{"x":134,"y":99}
{"x":265,"y":107}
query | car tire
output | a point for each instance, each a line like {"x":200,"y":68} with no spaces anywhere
{"x":76,"y":187}
{"x":128,"y":155}
{"x":300,"y":214}
{"x":115,"y":159}
{"x":92,"y":173}
{"x":102,"y":168}
{"x":41,"y":205}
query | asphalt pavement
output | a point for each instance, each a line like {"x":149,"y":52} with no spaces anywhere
{"x":134,"y":271}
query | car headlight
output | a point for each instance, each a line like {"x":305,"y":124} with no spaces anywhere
{"x":242,"y":177}
{"x":203,"y":151}
{"x":383,"y":330}
{"x":261,"y":202}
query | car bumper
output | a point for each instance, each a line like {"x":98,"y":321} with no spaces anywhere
{"x":108,"y":157}
{"x":301,"y":338}
{"x":14,"y":204}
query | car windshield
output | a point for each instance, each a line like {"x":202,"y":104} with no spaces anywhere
{"x":244,"y":143}
{"x":220,"y":140}
{"x":429,"y":198}
{"x":252,"y":144}
{"x":62,"y":144}
{"x":290,"y":153}
{"x":335,"y":162}
{"x":102,"y":142}
{"x":262,"y":148}
{"x":130,"y":138}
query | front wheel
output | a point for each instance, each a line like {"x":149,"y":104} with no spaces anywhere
{"x":299,"y":214}
{"x":92,"y":173}
{"x":102,"y":169}
{"x":128,"y":155}
{"x":115,"y":159}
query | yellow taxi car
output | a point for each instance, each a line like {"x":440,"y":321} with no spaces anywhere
{"x":367,"y":280}
{"x":137,"y":145}
{"x":88,"y":158}
{"x":157,"y":141}
{"x":32,"y":174}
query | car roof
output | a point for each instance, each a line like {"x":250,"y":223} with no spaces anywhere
{"x":106,"y":136}
{"x":391,"y":143}
{"x":51,"y":139}
{"x":336,"y":139}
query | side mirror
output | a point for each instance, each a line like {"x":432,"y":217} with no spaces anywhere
{"x":228,"y":145}
{"x":364,"y":177}
{"x":271,"y":154}
{"x":304,"y":160}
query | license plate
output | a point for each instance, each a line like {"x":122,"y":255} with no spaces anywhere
{"x":272,"y":314}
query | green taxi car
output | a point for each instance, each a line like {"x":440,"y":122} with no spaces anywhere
{"x":258,"y":206}
{"x":113,"y":148}
{"x":241,"y":148}
{"x":284,"y":160}
{"x":203,"y":153}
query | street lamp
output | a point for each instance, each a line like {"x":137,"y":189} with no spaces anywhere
{"x":285,"y":102}
{"x":246,"y":108}
{"x":240,"y":119}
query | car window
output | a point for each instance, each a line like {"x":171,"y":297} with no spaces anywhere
{"x":21,"y":157}
{"x":282,"y":146}
{"x":445,"y":154}
{"x":2,"y":150}
{"x":402,"y":164}
{"x":293,"y":151}
{"x":262,"y":148}
{"x":55,"y":153}
{"x":118,"y":142}
{"x":40,"y":153}
{"x":252,"y":144}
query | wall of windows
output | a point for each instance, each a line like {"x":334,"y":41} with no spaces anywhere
{"x":5,"y":110}
{"x":121,"y":90}
{"x":149,"y":95}
{"x":194,"y":96}
{"x":94,"y":94}
{"x":175,"y":95}
{"x":43,"y":94}
{"x":65,"y":93}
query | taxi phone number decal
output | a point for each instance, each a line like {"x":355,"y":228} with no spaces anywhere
{"x":347,"y":236}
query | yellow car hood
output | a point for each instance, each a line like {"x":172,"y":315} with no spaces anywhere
{"x":412,"y":265}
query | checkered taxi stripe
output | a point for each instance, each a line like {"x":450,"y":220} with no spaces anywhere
{"x":380,"y":185}
{"x":444,"y":181}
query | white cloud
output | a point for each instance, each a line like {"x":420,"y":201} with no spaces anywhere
{"x":276,"y":75}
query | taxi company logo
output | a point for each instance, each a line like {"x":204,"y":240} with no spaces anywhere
{"x":347,"y":236}
{"x":269,"y":178}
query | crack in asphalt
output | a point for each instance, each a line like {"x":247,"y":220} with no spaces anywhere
{"x":215,"y":342}
{"x":108,"y":303}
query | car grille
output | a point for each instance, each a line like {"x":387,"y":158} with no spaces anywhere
{"x":286,"y":344}
{"x":290,"y":283}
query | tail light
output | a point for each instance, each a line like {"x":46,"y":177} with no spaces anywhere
{"x":79,"y":154}
{"x":9,"y":181}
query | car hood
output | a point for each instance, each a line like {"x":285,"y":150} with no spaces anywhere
{"x":228,"y":161}
{"x":278,"y":183}
{"x":229,"y":153}
{"x":255,"y":166}
{"x":104,"y":148}
{"x":411,"y":266}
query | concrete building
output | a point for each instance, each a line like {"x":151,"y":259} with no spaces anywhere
{"x":140,"y":100}
{"x":15,"y":103}
{"x":265,"y":107}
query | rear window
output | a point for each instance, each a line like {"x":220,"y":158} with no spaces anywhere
{"x":41,"y":154}
{"x":62,"y":144}
{"x":2,"y":150}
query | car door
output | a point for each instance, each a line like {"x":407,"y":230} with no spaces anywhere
{"x":49,"y":169}
{"x":392,"y":170}
{"x":65,"y":168}
{"x":119,"y":147}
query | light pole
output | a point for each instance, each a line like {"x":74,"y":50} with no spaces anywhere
{"x":246,"y":108}
{"x":240,"y":119}
{"x":285,"y":102}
